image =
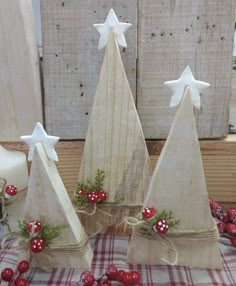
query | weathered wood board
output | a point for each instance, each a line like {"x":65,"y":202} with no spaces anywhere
{"x":115,"y":142}
{"x":20,"y":91}
{"x":174,"y":34}
{"x":178,"y":184}
{"x":46,"y":198}
{"x":72,"y":62}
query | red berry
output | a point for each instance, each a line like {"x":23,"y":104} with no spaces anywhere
{"x":21,"y":282}
{"x":232,"y":215}
{"x":161,"y":226}
{"x":214,"y":205}
{"x":217,"y":212}
{"x":230,"y":228}
{"x":23,"y":266}
{"x":92,"y":197}
{"x":37,"y":245}
{"x":81,"y":193}
{"x":120,"y":275}
{"x":127,"y":279}
{"x":7,"y":274}
{"x":221,"y":227}
{"x":111,"y":272}
{"x":105,"y":283}
{"x":87,"y":278}
{"x":148,"y":213}
{"x":11,"y":190}
{"x":102,"y":195}
{"x":34,"y":227}
{"x":233,"y":241}
{"x":225,"y":218}
{"x":135,"y":277}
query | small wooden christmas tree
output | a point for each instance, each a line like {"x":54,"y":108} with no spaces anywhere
{"x":178,"y":184}
{"x":115,"y":142}
{"x":47,"y":202}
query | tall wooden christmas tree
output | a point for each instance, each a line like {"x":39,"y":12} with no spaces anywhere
{"x":47,"y":201}
{"x":178,"y":184}
{"x":115,"y":142}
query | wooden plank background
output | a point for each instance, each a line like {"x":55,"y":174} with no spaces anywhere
{"x":171,"y":35}
{"x":72,"y":62}
{"x":19,"y":75}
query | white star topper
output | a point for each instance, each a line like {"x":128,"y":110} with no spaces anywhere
{"x":178,"y":86}
{"x":40,"y":135}
{"x":112,"y":24}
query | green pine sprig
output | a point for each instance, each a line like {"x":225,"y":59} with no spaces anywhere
{"x":22,"y":225}
{"x":164,"y":214}
{"x":48,"y":232}
{"x":99,"y":179}
{"x":89,"y":186}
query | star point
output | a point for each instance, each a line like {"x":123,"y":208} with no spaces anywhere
{"x":40,"y":135}
{"x":178,"y":86}
{"x":112,"y":24}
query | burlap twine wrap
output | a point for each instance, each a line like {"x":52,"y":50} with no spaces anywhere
{"x":145,"y":230}
{"x":23,"y":246}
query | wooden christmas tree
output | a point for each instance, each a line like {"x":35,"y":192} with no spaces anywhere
{"x":47,"y":201}
{"x":115,"y":142}
{"x":178,"y":184}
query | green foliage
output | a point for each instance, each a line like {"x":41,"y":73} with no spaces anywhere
{"x":165,"y":214}
{"x":50,"y":232}
{"x":47,"y":233}
{"x":99,"y":179}
{"x":89,"y":186}
{"x":22,"y":229}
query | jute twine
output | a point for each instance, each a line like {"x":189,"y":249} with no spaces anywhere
{"x":145,"y":230}
{"x":23,"y":244}
{"x":108,"y":219}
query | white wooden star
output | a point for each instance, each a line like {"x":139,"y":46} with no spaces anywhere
{"x":178,"y":86}
{"x":40,"y":135}
{"x":112,"y":24}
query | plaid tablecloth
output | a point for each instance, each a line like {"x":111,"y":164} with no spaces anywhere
{"x":111,"y":249}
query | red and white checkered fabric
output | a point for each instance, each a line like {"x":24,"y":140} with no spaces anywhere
{"x":111,"y":249}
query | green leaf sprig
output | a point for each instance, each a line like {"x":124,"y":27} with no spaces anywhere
{"x":48,"y":232}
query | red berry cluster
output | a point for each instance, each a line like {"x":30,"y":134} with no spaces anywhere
{"x":8,"y":275}
{"x":159,"y":224}
{"x":111,"y":274}
{"x":37,"y":244}
{"x":91,"y":191}
{"x":92,"y":197}
{"x":226,"y":220}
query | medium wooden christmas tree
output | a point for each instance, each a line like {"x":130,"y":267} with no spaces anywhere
{"x":47,"y":202}
{"x":115,"y":142}
{"x":178,"y":184}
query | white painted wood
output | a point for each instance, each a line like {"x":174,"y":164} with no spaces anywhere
{"x":72,"y":62}
{"x":48,"y":202}
{"x":115,"y":141}
{"x":20,"y":91}
{"x":178,"y":184}
{"x":172,"y":35}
